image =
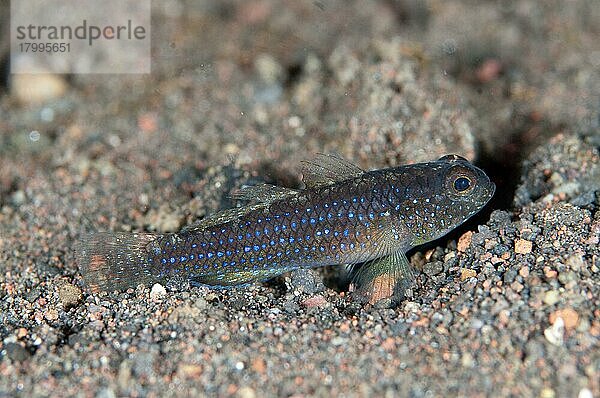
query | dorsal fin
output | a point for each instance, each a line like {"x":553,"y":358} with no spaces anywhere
{"x":326,"y":169}
{"x":264,"y":193}
{"x":261,"y":195}
{"x":221,"y":217}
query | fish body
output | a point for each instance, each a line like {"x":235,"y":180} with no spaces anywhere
{"x":344,"y":216}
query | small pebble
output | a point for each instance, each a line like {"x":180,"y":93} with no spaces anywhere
{"x":476,"y":323}
{"x":551,"y":297}
{"x":51,"y":314}
{"x":433,"y":268}
{"x":246,"y":392}
{"x":516,"y":286}
{"x":568,"y":315}
{"x":464,"y":241}
{"x":306,"y":281}
{"x":69,"y":295}
{"x":575,"y":262}
{"x":18,"y":198}
{"x":555,"y":333}
{"x":157,"y":292}
{"x":547,"y":393}
{"x":467,"y":360}
{"x":523,"y":246}
{"x":524,"y":272}
{"x":268,"y":68}
{"x":201,"y":303}
{"x":37,"y":88}
{"x":259,"y":365}
{"x":165,"y":219}
{"x":585,"y":393}
{"x":466,"y":273}
{"x":16,"y":352}
{"x":189,"y":370}
{"x":315,"y":301}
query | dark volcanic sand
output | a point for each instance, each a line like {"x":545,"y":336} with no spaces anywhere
{"x":508,"y":305}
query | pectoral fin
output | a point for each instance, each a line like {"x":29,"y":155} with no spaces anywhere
{"x":383,"y":281}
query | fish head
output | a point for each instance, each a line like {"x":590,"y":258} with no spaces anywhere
{"x":443,"y":195}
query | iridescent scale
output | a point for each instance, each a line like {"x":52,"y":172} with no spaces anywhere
{"x":332,"y":225}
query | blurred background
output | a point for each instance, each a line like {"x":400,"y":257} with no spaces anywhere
{"x":272,"y":82}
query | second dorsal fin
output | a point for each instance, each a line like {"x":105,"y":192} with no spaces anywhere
{"x":326,"y":169}
{"x":263,"y":193}
{"x":260,"y":195}
{"x":220,"y":218}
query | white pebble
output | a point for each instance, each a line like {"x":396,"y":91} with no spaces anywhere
{"x":158,"y":292}
{"x":555,"y":333}
{"x":585,"y":393}
{"x":37,"y":88}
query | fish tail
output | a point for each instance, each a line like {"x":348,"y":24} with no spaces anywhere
{"x":116,"y":261}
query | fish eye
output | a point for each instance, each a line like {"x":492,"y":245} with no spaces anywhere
{"x":461,"y":184}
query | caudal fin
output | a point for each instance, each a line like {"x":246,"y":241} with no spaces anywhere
{"x":116,"y":261}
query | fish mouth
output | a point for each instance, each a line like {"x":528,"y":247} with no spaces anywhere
{"x":491,"y":190}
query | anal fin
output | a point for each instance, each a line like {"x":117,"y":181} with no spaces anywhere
{"x":383,"y":282}
{"x":236,"y":278}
